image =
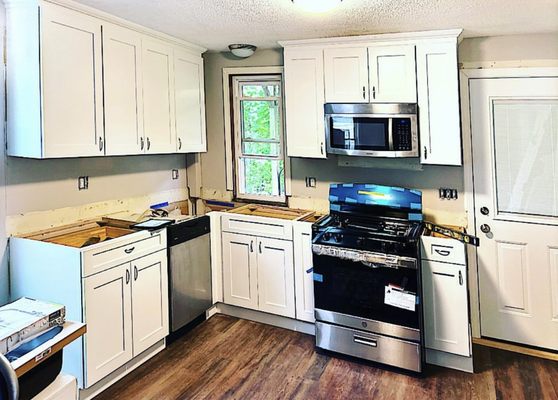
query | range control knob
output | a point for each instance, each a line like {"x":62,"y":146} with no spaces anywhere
{"x":338,"y":237}
{"x":327,"y":236}
{"x":360,"y":242}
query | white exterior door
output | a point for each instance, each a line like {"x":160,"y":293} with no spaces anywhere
{"x":446,"y":316}
{"x":276,"y":277}
{"x":304,"y":103}
{"x":304,"y":275}
{"x":108,"y":341}
{"x":123,"y":91}
{"x":438,"y":103}
{"x":393,"y":76}
{"x":240,"y":273}
{"x":346,"y":75}
{"x":158,"y":97}
{"x":149,"y":300}
{"x":71,"y":79}
{"x":514,"y":125}
{"x":189,"y":101}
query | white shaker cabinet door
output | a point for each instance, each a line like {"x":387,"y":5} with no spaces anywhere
{"x":276,"y":277}
{"x":189,"y":101}
{"x":158,"y":97}
{"x":108,"y":341}
{"x":438,"y":103}
{"x":240,"y":273}
{"x":346,"y":75}
{"x":123,"y":91}
{"x":446,"y":316}
{"x":149,"y":300}
{"x":304,"y":282}
{"x":392,"y":74}
{"x":71,"y":79}
{"x":304,"y":103}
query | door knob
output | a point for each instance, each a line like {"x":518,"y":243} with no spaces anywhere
{"x":485,"y":228}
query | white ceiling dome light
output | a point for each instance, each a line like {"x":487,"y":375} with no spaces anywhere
{"x":242,"y":50}
{"x":317,"y":6}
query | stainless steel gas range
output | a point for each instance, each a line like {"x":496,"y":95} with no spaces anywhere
{"x":367,"y":288}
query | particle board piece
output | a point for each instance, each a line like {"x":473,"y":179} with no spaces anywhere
{"x":271,"y":212}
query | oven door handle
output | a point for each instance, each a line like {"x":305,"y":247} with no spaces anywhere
{"x":365,"y":341}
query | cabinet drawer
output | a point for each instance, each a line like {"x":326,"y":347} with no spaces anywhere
{"x":260,"y":226}
{"x":443,"y":250}
{"x":114,"y":253}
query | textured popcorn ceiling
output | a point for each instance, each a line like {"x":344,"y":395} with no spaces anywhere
{"x":216,"y":23}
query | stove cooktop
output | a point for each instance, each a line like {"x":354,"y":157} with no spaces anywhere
{"x":374,"y":234}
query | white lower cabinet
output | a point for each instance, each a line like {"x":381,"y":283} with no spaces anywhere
{"x":108,"y":343}
{"x":446,"y":315}
{"x":150,"y":319}
{"x":304,"y":276}
{"x":126,"y":313}
{"x":240,"y":270}
{"x":276,"y":277}
{"x":258,"y":273}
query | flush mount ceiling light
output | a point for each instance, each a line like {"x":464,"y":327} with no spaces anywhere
{"x":317,"y":6}
{"x":242,"y":50}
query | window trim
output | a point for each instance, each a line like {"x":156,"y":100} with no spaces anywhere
{"x":237,"y":81}
{"x":227,"y":96}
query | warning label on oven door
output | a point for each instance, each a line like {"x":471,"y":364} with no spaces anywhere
{"x":397,"y":297}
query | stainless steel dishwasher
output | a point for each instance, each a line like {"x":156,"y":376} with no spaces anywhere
{"x":189,"y":271}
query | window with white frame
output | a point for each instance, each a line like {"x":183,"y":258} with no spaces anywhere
{"x":258,"y":138}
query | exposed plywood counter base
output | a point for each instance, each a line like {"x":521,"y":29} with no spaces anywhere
{"x":258,"y":210}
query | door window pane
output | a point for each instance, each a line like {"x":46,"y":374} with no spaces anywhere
{"x":526,"y":155}
{"x":260,"y":149}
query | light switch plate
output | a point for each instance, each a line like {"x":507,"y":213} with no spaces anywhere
{"x":174,"y":174}
{"x":310,"y":181}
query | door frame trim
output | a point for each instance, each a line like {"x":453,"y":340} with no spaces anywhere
{"x":465,"y":75}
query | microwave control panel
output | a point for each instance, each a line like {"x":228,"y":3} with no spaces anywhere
{"x":402,"y":134}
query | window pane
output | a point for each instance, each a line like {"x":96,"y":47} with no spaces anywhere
{"x":263,"y":177}
{"x":260,"y":149}
{"x":526,"y":152}
{"x":259,"y":90}
{"x":260,"y":119}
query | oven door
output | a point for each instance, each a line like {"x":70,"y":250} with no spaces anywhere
{"x":371,"y":292}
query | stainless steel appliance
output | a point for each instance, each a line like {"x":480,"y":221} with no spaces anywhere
{"x":373,"y":130}
{"x":367,"y":287}
{"x":189,"y":270}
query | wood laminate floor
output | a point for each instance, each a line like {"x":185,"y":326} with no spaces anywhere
{"x":230,"y":358}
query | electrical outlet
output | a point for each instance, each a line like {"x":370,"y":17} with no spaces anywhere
{"x":447,"y":194}
{"x":83,"y":183}
{"x":174,"y":174}
{"x":310,"y":182}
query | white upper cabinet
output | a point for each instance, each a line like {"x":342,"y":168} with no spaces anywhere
{"x":71,"y":80}
{"x":189,"y":100}
{"x":304,"y":102}
{"x":81,"y":84}
{"x":346,"y":75}
{"x":392,"y":74}
{"x":413,"y":67}
{"x":158,"y":97}
{"x":123,"y":94}
{"x":438,"y":101}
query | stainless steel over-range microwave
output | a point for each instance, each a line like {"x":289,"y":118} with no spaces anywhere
{"x":373,"y":130}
